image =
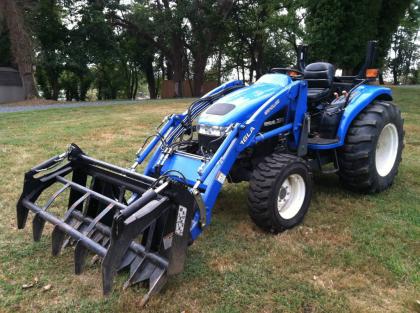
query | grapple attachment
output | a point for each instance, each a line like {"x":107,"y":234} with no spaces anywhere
{"x":128,"y":220}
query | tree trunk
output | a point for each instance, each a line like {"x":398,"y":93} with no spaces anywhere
{"x":99,"y":94}
{"x":381,"y":78}
{"x":199,"y":67}
{"x":21,"y":46}
{"x":251,"y":68}
{"x":347,"y":72}
{"x":84,"y":85}
{"x":150,"y":77}
{"x":168,"y":73}
{"x":176,"y":60}
{"x":258,"y":55}
{"x":395,"y":75}
{"x":68,"y":95}
{"x":136,"y":87}
{"x":219,"y":67}
{"x":55,"y":90}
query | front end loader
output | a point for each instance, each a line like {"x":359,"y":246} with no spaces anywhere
{"x":274,"y":134}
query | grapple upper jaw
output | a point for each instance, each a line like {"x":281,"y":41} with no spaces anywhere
{"x":113,"y":212}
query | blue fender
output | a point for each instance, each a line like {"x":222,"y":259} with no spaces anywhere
{"x":364,"y":95}
{"x":360,"y":99}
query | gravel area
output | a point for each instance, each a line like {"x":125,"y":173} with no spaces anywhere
{"x":5,"y":108}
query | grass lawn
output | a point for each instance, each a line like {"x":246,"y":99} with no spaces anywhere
{"x":353,"y":253}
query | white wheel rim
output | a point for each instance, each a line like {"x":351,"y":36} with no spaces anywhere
{"x":291,"y":196}
{"x":386,"y":149}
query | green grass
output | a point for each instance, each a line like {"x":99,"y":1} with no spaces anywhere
{"x":353,"y":253}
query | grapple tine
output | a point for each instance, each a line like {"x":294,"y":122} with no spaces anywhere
{"x":21,"y":215}
{"x":97,"y":237}
{"x":124,"y":232}
{"x":38,"y":222}
{"x":140,"y":233}
{"x":95,"y":221}
{"x":111,"y":262}
{"x":105,"y":241}
{"x":54,"y":196}
{"x":69,"y":241}
{"x":80,"y":254}
{"x":37,"y":227}
{"x":134,"y":272}
{"x":158,"y":279}
{"x":127,"y":260}
{"x":57,"y":238}
{"x":140,"y":270}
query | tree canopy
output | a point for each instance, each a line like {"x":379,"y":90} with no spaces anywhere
{"x":111,"y":48}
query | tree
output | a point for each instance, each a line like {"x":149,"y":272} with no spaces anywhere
{"x":21,"y":44}
{"x":390,"y":16}
{"x":93,"y":43}
{"x":5,"y":52}
{"x":173,"y":27}
{"x":158,"y":24}
{"x":404,"y":46}
{"x":337,"y":31}
{"x":206,"y":26}
{"x":52,"y":38}
{"x":264,"y":35}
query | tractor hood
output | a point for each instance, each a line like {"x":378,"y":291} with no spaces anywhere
{"x":238,"y":106}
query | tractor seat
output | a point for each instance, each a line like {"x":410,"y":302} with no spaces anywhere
{"x":320,"y":76}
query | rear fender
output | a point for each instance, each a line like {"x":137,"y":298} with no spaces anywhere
{"x":360,"y":99}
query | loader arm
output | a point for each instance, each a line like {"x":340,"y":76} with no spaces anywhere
{"x":144,"y":222}
{"x":129,"y":220}
{"x":205,"y":176}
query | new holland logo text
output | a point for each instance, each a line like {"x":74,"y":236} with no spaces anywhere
{"x":247,"y":135}
{"x":271,"y":107}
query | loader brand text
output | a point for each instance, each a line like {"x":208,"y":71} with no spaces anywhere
{"x":247,"y":135}
{"x":271,"y":107}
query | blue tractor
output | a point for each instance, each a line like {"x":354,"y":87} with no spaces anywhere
{"x":274,"y":133}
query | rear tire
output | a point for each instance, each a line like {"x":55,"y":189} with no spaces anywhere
{"x":372,"y":152}
{"x":280,"y":192}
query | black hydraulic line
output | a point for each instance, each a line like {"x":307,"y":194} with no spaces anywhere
{"x":199,"y":106}
{"x":353,"y":89}
{"x":51,"y":162}
{"x":59,"y":172}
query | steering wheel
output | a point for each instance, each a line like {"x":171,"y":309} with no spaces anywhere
{"x":293,"y":73}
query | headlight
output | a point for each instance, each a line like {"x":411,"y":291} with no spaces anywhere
{"x":214,"y":131}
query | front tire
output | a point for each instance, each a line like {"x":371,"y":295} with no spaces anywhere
{"x":373,"y":147}
{"x":280,"y":192}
